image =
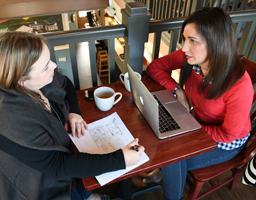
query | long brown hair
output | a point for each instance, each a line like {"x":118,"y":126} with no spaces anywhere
{"x":18,"y":52}
{"x":225,"y":67}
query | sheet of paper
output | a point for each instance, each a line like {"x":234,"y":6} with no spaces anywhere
{"x":104,"y":136}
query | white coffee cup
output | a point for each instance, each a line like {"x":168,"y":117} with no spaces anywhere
{"x":125,"y":80}
{"x":104,"y":98}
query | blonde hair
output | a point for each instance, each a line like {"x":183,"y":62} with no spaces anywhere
{"x":18,"y":52}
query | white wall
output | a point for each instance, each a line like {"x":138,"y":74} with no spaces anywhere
{"x":118,"y":5}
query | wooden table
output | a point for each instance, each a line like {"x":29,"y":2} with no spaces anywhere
{"x":160,"y":152}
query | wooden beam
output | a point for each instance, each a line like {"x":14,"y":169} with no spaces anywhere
{"x":10,"y":9}
{"x":6,"y":2}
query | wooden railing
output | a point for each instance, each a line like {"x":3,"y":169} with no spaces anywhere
{"x":163,"y":9}
{"x":10,"y":9}
{"x":134,"y":41}
{"x":90,"y":35}
{"x":168,"y":30}
{"x":135,"y":30}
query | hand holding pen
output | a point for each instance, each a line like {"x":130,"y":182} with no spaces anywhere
{"x":132,"y":152}
{"x":135,"y":148}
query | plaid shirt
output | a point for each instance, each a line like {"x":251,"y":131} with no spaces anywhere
{"x":222,"y":145}
{"x":197,"y":69}
{"x":232,"y":145}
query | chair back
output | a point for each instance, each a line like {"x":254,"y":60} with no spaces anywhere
{"x":250,"y":67}
{"x":236,"y":165}
{"x":250,"y":149}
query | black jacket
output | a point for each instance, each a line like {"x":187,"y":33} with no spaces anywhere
{"x":37,"y":161}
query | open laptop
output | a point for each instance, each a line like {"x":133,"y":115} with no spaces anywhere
{"x":176,"y":118}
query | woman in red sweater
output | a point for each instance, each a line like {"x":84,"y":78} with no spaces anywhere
{"x":213,"y":85}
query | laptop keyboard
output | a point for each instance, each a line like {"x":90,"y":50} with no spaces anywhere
{"x":166,"y":121}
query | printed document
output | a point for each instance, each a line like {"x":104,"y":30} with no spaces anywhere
{"x":105,"y":136}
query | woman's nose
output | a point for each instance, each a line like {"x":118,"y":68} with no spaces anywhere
{"x":185,"y":47}
{"x":53,"y":65}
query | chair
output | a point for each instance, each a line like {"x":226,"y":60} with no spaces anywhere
{"x":235,"y":165}
{"x":102,"y":63}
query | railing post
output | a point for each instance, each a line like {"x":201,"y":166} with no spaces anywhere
{"x":196,"y":5}
{"x":150,"y":5}
{"x":136,"y":19}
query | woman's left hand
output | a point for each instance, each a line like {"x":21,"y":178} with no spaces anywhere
{"x":76,"y":124}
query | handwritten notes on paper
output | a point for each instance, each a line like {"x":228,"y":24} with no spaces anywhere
{"x":104,"y":136}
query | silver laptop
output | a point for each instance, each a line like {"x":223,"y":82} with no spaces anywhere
{"x":164,"y":113}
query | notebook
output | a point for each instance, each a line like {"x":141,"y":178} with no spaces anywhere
{"x":165,"y":115}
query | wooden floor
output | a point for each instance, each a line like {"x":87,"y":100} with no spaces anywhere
{"x":242,"y":192}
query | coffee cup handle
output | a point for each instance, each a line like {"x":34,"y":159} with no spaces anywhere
{"x":138,"y":74}
{"x":121,"y":76}
{"x":119,"y":98}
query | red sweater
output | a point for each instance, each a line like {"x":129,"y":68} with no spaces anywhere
{"x":226,"y":118}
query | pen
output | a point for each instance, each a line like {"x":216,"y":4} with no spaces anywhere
{"x":135,"y":148}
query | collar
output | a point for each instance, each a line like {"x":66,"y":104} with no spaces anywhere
{"x":197,"y":69}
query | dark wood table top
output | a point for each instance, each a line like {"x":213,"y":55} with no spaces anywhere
{"x":160,"y":152}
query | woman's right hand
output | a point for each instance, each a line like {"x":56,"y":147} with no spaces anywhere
{"x":182,"y":97}
{"x":132,"y":156}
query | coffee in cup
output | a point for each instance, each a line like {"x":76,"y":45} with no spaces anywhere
{"x":104,"y":98}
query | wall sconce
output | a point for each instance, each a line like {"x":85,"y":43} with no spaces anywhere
{"x":111,"y":11}
{"x":73,"y":18}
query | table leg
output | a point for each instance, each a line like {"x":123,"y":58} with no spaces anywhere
{"x":125,"y":188}
{"x":126,"y":192}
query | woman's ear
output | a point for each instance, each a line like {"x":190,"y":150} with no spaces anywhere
{"x":21,"y":82}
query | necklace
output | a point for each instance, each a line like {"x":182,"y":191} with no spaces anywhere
{"x":190,"y":101}
{"x":49,"y":106}
{"x":56,"y":113}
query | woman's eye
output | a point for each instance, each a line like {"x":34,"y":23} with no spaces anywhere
{"x":46,"y":67}
{"x":193,"y":41}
